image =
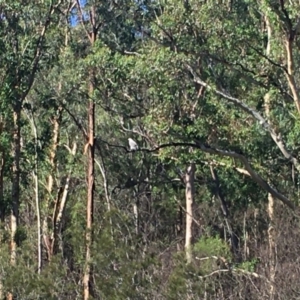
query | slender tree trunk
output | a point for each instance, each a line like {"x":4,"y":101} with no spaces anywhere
{"x":246,"y":238}
{"x":37,"y":201}
{"x":270,"y":207}
{"x":272,"y":247}
{"x":48,"y":221}
{"x":15,"y":193}
{"x":90,"y":149}
{"x":60,"y":208}
{"x":90,"y":196}
{"x":179,"y":226}
{"x":90,"y":173}
{"x":136,"y":205}
{"x":107,"y":196}
{"x":2,"y":209}
{"x":189,"y":196}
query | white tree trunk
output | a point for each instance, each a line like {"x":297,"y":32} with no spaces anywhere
{"x":189,"y":197}
{"x":270,"y":208}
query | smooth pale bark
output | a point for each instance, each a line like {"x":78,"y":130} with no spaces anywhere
{"x":189,"y":198}
{"x":270,"y":206}
{"x":15,"y":192}
{"x":105,"y":185}
{"x":226,"y":153}
{"x":20,"y":89}
{"x":290,"y":74}
{"x":272,"y":246}
{"x":136,"y":215}
{"x":90,"y":198}
{"x":47,"y":235}
{"x":36,"y":184}
{"x":107,"y":196}
{"x":60,"y":206}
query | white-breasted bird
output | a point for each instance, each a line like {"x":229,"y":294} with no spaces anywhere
{"x":133,"y":146}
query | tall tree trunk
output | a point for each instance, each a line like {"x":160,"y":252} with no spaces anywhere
{"x":270,"y":207}
{"x":15,"y":193}
{"x":90,"y":194}
{"x":36,"y":184}
{"x":48,"y":221}
{"x":189,"y":198}
{"x":90,"y":149}
{"x":37,"y":201}
{"x":90,"y":171}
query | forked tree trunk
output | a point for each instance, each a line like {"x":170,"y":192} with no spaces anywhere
{"x":189,"y":197}
{"x":48,"y":221}
{"x":59,"y":209}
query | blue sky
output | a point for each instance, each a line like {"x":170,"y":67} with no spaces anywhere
{"x":74,"y":17}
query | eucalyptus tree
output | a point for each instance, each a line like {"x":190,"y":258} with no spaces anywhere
{"x":24,"y":52}
{"x":200,"y":76}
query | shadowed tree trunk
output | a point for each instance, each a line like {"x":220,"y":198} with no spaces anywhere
{"x":225,"y":211}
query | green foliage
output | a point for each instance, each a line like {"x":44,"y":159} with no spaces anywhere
{"x":208,"y":246}
{"x":143,"y":89}
{"x":249,"y":266}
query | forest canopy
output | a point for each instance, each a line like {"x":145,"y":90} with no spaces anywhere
{"x":149,"y":149}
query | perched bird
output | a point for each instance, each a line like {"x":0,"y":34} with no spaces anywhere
{"x":132,"y":145}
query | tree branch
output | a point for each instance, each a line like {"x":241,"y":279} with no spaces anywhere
{"x":253,"y":174}
{"x":263,"y":122}
{"x":206,"y":148}
{"x":38,"y":52}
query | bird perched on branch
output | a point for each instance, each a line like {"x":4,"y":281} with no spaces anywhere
{"x":133,"y":146}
